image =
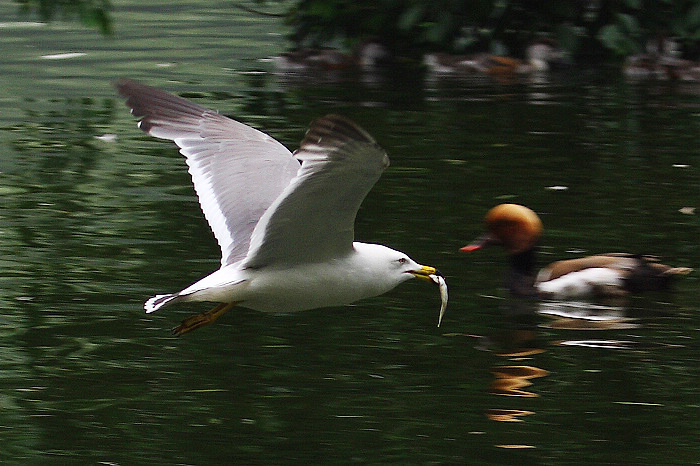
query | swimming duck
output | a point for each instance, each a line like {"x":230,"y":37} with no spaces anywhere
{"x":539,"y":57}
{"x":518,"y":229}
{"x":661,"y":60}
{"x":665,"y":68}
{"x":366,"y":55}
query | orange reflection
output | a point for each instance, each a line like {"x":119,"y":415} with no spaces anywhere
{"x":507,"y":415}
{"x":510,"y":380}
{"x":513,"y":447}
{"x":562,"y":323}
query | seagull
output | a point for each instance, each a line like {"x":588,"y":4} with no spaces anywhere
{"x":284,"y":221}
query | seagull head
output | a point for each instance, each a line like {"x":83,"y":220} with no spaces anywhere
{"x":385,"y":268}
{"x":387,"y":264}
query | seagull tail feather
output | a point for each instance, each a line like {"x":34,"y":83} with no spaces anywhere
{"x":158,"y":301}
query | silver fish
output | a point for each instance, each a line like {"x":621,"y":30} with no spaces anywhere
{"x":440,"y":281}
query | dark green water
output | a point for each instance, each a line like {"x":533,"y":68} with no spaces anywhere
{"x":89,"y":228}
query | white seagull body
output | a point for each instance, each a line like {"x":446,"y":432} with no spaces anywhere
{"x":284,"y":222}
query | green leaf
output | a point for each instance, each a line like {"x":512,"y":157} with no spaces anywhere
{"x":568,"y":36}
{"x":410,"y":18}
{"x":629,"y":23}
{"x":693,"y":19}
{"x":437,"y":32}
{"x":610,"y":36}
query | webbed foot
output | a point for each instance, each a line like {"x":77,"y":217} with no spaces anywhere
{"x":200,"y":320}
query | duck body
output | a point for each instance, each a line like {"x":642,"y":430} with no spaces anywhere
{"x":539,"y":57}
{"x":484,"y":64}
{"x":664,"y":68}
{"x":518,"y":229}
{"x":367,"y":55}
{"x":313,"y":58}
{"x":662,"y":61}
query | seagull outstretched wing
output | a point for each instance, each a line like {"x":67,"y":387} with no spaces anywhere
{"x":237,"y":171}
{"x":313,"y":219}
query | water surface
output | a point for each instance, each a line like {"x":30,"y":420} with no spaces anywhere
{"x":96,"y":216}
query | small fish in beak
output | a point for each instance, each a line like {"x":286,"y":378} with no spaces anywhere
{"x":439,"y":279}
{"x":431,"y":274}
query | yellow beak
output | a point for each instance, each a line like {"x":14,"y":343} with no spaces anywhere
{"x":425,"y":272}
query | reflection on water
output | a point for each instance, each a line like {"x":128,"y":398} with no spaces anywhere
{"x":95,"y":217}
{"x":574,"y":315}
{"x":507,"y":415}
{"x":510,"y":380}
{"x":610,"y":344}
{"x":520,"y":344}
{"x":522,"y":341}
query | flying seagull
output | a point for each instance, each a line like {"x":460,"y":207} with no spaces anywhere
{"x":284,"y":222}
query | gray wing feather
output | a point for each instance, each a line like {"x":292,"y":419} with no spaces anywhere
{"x":313,"y":219}
{"x":237,"y":171}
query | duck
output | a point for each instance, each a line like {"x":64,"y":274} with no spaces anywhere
{"x":539,"y":57}
{"x":313,"y":58}
{"x":662,"y":68}
{"x":518,"y":229}
{"x":367,"y":55}
{"x":661,"y":60}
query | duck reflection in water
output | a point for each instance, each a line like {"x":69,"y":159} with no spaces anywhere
{"x":517,"y":345}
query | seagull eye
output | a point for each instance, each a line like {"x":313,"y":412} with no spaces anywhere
{"x":402,"y":261}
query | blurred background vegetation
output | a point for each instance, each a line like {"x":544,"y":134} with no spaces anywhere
{"x":92,"y":13}
{"x":589,"y":30}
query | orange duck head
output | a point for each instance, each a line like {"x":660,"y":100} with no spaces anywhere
{"x":515,"y":227}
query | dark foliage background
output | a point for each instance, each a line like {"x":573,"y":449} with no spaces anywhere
{"x":590,"y":30}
